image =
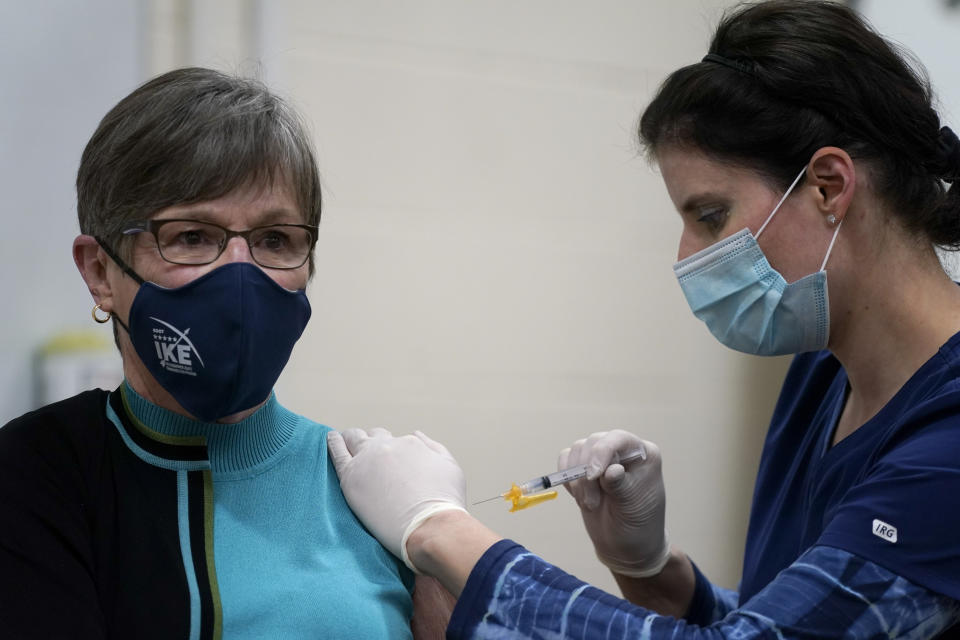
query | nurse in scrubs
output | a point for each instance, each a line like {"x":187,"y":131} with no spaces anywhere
{"x":813,"y":179}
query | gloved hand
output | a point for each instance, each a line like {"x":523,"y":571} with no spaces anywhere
{"x":393,"y":484}
{"x":623,"y":508}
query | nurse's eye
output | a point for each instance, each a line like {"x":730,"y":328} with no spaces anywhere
{"x":713,"y":217}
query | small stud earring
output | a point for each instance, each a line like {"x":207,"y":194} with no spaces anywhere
{"x":831,"y":219}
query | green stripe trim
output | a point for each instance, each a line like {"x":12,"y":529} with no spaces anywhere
{"x":190,"y":441}
{"x":208,"y":552}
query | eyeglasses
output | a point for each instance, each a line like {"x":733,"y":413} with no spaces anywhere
{"x":275,"y":246}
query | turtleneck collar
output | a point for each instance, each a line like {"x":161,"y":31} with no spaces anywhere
{"x":236,"y":447}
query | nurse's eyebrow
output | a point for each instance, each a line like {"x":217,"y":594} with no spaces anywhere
{"x":698,"y":200}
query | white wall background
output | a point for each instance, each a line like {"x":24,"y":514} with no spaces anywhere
{"x":63,"y":63}
{"x":494,"y":260}
{"x":494,"y":266}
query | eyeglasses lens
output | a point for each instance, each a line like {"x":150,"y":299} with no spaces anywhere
{"x":192,"y":242}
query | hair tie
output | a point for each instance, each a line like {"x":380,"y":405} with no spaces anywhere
{"x":946,"y":165}
{"x":748,"y":68}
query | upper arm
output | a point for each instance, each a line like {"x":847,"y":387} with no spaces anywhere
{"x":48,"y":587}
{"x":432,"y":606}
{"x":902,"y":513}
{"x":828,"y":592}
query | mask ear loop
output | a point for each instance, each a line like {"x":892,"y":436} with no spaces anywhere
{"x":782,"y":200}
{"x":830,"y":248}
{"x":126,"y":269}
{"x":777,"y":208}
{"x":119,"y":261}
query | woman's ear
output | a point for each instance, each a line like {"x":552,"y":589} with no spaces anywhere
{"x":832,"y":172}
{"x":91,"y":262}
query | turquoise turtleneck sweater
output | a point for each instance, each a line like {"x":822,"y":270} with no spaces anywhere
{"x":289,"y":558}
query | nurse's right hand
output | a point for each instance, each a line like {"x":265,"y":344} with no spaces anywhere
{"x":623,"y":507}
{"x":394,"y":484}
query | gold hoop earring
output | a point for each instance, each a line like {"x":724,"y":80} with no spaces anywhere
{"x":98,"y":318}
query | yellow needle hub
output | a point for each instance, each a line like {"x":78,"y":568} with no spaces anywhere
{"x":520,"y":501}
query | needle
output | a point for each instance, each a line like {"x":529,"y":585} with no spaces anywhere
{"x":521,"y":495}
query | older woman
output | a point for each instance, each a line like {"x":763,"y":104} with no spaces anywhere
{"x":188,"y":503}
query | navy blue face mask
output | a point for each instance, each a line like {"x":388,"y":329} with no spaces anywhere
{"x":218,"y":343}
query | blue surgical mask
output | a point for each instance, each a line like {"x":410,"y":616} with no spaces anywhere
{"x":218,"y":343}
{"x":747,"y":305}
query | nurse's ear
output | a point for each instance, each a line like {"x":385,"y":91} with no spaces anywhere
{"x":832,"y":172}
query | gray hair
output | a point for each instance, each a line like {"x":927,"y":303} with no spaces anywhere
{"x":188,"y":135}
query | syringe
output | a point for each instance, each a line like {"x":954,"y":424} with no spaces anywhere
{"x":532,"y":492}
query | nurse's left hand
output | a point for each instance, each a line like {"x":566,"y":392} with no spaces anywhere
{"x":393,"y":484}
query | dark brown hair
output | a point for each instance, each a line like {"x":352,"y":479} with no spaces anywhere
{"x":188,"y":135}
{"x":785,"y":78}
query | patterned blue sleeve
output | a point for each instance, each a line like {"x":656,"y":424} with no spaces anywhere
{"x":826,"y":593}
{"x":710,"y":602}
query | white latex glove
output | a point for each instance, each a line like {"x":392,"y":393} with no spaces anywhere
{"x":393,"y":484}
{"x":623,"y":508}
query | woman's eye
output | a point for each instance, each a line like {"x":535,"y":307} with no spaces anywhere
{"x":191,"y":238}
{"x":273,"y":240}
{"x":713,"y":217}
{"x":198,"y":237}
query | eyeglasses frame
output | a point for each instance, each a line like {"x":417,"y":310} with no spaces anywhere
{"x":150,"y":226}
